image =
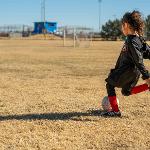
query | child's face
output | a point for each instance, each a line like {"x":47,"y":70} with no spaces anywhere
{"x":125,"y":28}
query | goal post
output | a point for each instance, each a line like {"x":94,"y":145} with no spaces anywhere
{"x":77,"y":36}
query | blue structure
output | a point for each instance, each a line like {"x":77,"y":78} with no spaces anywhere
{"x":49,"y":27}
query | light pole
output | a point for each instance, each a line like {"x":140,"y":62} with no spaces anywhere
{"x":43,"y":19}
{"x":43,"y":11}
{"x":100,"y":1}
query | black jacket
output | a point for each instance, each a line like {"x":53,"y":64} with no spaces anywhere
{"x":129,"y":65}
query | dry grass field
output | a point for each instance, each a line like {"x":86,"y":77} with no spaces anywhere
{"x":50,"y":99}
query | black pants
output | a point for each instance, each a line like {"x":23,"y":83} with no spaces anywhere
{"x":110,"y":90}
{"x":126,"y":81}
{"x":126,"y":89}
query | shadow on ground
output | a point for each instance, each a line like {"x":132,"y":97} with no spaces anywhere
{"x":76,"y":116}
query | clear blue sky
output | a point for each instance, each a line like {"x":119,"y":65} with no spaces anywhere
{"x":68,"y":12}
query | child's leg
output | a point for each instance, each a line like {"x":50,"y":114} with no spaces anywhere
{"x":139,"y":89}
{"x":112,"y":97}
{"x":131,"y":88}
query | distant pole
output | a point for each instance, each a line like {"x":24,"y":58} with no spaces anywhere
{"x":74,"y":37}
{"x":100,"y":1}
{"x":43,"y":18}
{"x":41,"y":11}
{"x":44,"y":10}
{"x":64,"y":37}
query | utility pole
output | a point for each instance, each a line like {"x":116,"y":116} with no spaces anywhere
{"x":43,"y":11}
{"x":43,"y":19}
{"x":100,"y":1}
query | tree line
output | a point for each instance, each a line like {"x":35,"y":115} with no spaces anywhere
{"x":111,"y":30}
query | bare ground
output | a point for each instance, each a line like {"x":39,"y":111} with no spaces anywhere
{"x":50,"y":97}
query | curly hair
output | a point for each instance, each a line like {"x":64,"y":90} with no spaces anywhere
{"x":135,"y":20}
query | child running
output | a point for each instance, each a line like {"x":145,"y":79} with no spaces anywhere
{"x":129,"y":65}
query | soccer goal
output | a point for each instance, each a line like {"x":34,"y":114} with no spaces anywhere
{"x":77,"y":36}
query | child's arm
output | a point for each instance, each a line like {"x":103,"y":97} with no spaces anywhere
{"x":137,"y":58}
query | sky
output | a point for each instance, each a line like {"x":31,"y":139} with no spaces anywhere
{"x":68,"y":12}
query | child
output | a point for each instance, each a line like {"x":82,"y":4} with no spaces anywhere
{"x":129,"y":65}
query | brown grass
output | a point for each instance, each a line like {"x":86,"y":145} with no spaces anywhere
{"x":47,"y":93}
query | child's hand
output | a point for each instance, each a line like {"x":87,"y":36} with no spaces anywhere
{"x":148,"y":82}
